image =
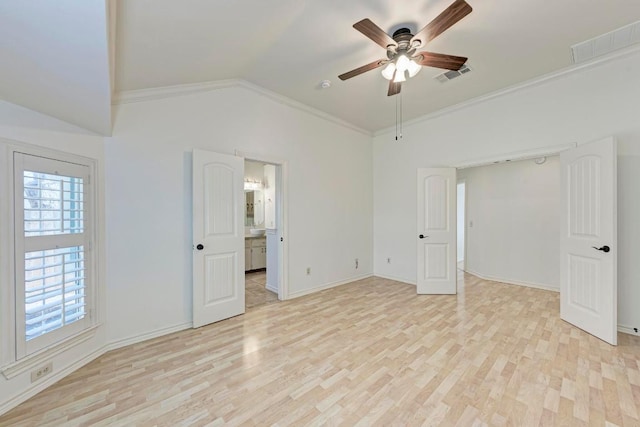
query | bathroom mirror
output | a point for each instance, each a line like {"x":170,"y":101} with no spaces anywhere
{"x":248,"y":208}
{"x":253,"y":208}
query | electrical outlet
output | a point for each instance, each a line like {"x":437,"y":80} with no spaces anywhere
{"x":356,"y":263}
{"x":42,"y":371}
{"x":388,"y":260}
{"x":308,"y":271}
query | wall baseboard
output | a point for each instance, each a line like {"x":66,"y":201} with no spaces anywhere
{"x":49,"y":381}
{"x":330,"y":285}
{"x":628,"y":330}
{"x":396,"y":279}
{"x":113,"y":345}
{"x":542,"y":286}
{"x":271,"y":288}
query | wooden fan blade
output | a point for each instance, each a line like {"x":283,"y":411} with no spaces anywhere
{"x":394,"y":88}
{"x":374,"y":32}
{"x":440,"y":60}
{"x":371,"y":66}
{"x":458,"y":10}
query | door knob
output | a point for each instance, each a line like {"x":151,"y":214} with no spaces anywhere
{"x":200,"y":246}
{"x":422,"y":236}
{"x":604,"y":249}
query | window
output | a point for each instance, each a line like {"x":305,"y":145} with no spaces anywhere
{"x":52,"y":247}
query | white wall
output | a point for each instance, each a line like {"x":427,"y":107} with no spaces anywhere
{"x":18,"y":124}
{"x":515,"y":211}
{"x":582,"y":106}
{"x":149,"y":197}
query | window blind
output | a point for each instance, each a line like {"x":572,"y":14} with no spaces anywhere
{"x":54,"y":275}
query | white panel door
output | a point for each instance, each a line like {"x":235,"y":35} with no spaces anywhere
{"x":218,"y":237}
{"x":436,"y":231}
{"x":588,"y":284}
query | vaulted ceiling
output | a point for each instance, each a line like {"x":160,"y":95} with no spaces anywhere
{"x":55,"y":54}
{"x":55,"y":60}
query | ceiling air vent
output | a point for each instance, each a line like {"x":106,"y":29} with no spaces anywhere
{"x":606,"y":43}
{"x":450,"y":75}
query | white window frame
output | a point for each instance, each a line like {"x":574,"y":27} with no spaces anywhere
{"x":28,"y":162}
{"x":16,"y":356}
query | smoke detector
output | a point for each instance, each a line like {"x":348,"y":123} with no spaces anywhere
{"x":450,"y":75}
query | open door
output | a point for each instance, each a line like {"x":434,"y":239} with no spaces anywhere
{"x":218,"y":237}
{"x":436,"y":231}
{"x":588,"y":286}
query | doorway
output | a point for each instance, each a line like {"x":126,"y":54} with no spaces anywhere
{"x":461,"y":215}
{"x":219,"y":234}
{"x":263,"y":232}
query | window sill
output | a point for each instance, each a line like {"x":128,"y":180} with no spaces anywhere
{"x":33,"y":361}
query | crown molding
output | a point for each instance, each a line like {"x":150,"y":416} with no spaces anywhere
{"x":517,"y":155}
{"x":303,"y":107}
{"x":537,"y":81}
{"x":141,"y":95}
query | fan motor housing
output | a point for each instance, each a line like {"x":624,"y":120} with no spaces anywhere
{"x":402,"y":36}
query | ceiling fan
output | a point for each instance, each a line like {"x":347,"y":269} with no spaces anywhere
{"x":402,"y":46}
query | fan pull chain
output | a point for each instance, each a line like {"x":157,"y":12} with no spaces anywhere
{"x":396,"y":118}
{"x":398,"y":111}
{"x":398,"y":114}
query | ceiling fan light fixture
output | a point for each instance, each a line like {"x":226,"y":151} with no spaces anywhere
{"x":402,"y":63}
{"x":388,"y":71}
{"x":400,"y":76}
{"x":413,"y":68}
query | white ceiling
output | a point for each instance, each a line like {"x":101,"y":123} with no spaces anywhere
{"x":55,"y":53}
{"x":55,"y":60}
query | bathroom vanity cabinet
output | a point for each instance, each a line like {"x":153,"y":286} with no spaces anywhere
{"x":255,"y":253}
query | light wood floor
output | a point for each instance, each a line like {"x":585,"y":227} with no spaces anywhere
{"x":256,"y":294}
{"x":367,"y":353}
